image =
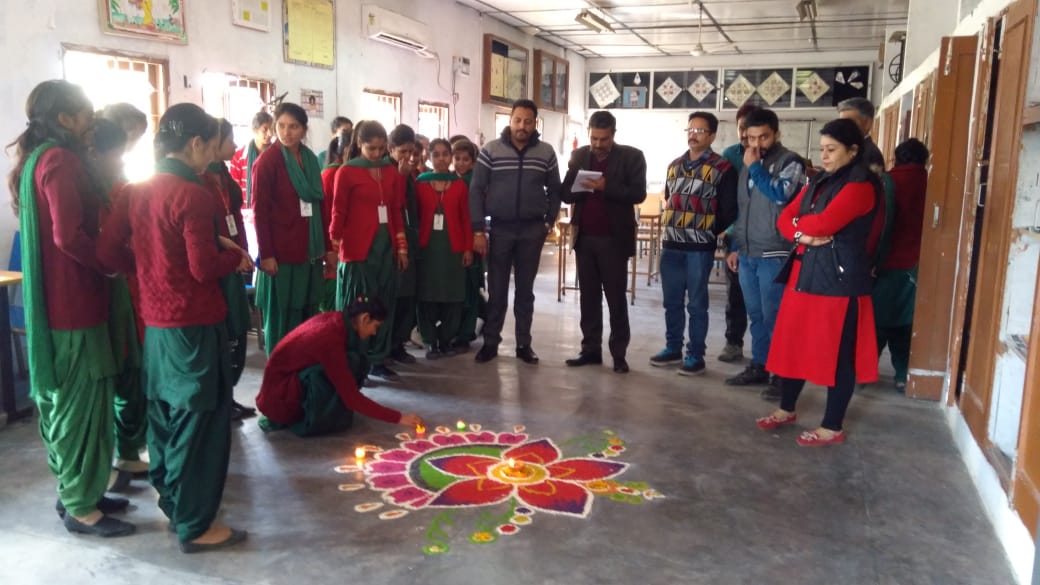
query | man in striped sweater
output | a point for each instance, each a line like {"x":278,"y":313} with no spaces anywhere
{"x":516,"y":183}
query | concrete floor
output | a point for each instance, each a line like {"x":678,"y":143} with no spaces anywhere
{"x":894,"y":505}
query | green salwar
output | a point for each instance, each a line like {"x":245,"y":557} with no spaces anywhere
{"x":474,"y":306}
{"x":131,"y":407}
{"x":187,"y":380}
{"x":288,"y":299}
{"x":375,"y":278}
{"x":77,"y":415}
{"x":894,"y":295}
{"x":404,"y":305}
{"x":328,"y":296}
{"x":442,"y":289}
{"x":238,"y":322}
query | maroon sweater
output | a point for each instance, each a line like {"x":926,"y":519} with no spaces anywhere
{"x":74,"y":286}
{"x":911,"y":184}
{"x":170,"y":225}
{"x":320,"y":340}
{"x":355,"y":209}
{"x":282,"y":232}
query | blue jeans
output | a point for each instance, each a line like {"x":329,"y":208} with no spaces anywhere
{"x":686,"y":274}
{"x":762,"y":298}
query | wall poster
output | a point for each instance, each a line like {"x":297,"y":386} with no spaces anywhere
{"x":161,"y":20}
{"x":309,"y":32}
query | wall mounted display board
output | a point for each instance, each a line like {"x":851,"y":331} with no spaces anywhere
{"x":309,"y":32}
{"x":619,"y":90}
{"x":767,"y":88}
{"x":161,"y":20}
{"x":255,"y":14}
{"x":505,"y":71}
{"x":686,"y":90}
{"x":551,"y":75}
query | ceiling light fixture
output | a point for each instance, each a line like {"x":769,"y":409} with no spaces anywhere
{"x":594,"y":22}
{"x":807,"y":10}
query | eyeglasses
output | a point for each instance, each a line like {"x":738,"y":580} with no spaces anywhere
{"x":698,"y":131}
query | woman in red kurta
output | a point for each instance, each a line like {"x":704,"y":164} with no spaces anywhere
{"x":367,"y":228}
{"x":334,"y":156}
{"x":824,"y":330}
{"x":166,"y":228}
{"x":311,"y":382}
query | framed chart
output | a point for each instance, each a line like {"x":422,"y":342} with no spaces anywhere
{"x":551,"y":78}
{"x":619,"y":90}
{"x":505,"y":71}
{"x":766,"y":88}
{"x":309,"y":33}
{"x":254,"y":14}
{"x":685,"y":90}
{"x":161,"y":20}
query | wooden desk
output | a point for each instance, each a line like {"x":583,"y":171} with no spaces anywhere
{"x":7,"y":280}
{"x":650,"y":224}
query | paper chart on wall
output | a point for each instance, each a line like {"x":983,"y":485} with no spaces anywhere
{"x":309,"y":33}
{"x":255,"y":14}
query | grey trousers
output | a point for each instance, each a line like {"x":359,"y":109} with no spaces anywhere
{"x":516,"y":249}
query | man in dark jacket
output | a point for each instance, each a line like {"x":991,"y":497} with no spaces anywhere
{"x":606,"y":235}
{"x":516,"y":183}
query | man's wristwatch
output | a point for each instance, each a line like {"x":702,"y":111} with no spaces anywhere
{"x":797,"y":236}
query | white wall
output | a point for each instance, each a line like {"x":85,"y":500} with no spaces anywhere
{"x":32,"y":33}
{"x":928,"y":22}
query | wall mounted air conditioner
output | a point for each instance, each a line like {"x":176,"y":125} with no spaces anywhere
{"x":394,"y":29}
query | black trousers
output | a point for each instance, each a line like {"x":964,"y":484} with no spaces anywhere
{"x":516,"y":249}
{"x":840,"y":394}
{"x":602,"y":271}
{"x":736,"y":312}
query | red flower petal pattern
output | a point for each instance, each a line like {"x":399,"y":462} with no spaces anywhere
{"x":581,"y":469}
{"x":560,"y":497}
{"x":464,"y":465}
{"x":473,"y":492}
{"x":542,"y":452}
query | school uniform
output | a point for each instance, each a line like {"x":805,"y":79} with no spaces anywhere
{"x":444,"y":236}
{"x":67,"y":309}
{"x":288,"y":229}
{"x":311,"y":382}
{"x":366,"y":218}
{"x":169,"y":222}
{"x":328,"y":183}
{"x":405,"y":303}
{"x":474,"y":306}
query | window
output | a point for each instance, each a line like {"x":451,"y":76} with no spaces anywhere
{"x":109,"y":78}
{"x":236,"y":99}
{"x":381,"y":106}
{"x":433,"y":119}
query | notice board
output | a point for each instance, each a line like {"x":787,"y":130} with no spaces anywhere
{"x":309,"y":31}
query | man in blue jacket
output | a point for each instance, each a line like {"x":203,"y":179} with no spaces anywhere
{"x":516,"y":183}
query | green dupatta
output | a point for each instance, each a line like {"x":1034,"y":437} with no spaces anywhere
{"x":432,"y":176}
{"x":307,"y":183}
{"x":37,"y":325}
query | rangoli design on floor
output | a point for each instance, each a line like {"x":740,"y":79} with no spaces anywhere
{"x":509,"y":475}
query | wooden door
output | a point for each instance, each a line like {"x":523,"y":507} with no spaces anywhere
{"x":996,"y":223}
{"x":890,"y":122}
{"x":942,"y":222}
{"x":1025,"y":490}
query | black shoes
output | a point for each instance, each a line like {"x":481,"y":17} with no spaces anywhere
{"x":754,"y":374}
{"x":460,"y":346}
{"x":105,"y":505}
{"x":773,"y":392}
{"x":401,"y":356}
{"x":527,"y":355}
{"x":381,"y":371}
{"x":585,"y":359}
{"x":240,"y":411}
{"x":236,"y":537}
{"x":486,"y":354}
{"x":620,"y":366}
{"x":106,"y":527}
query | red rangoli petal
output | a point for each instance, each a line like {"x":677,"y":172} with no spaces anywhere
{"x":380,"y":467}
{"x":542,"y":452}
{"x":396,"y":455}
{"x":407,"y":495}
{"x":473,"y":492}
{"x":386,"y":482}
{"x":559,"y":497}
{"x":448,"y":440}
{"x":464,"y":465}
{"x":581,"y":469}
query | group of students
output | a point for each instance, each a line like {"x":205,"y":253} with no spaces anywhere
{"x":136,"y":302}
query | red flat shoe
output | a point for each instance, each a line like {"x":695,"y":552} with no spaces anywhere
{"x":812,"y":439}
{"x":768,"y":423}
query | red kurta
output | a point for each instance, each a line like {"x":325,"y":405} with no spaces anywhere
{"x":807,"y":334}
{"x":328,"y":181}
{"x":238,"y":167}
{"x":355,"y":208}
{"x":218,"y":184}
{"x":168,"y":224}
{"x":911,"y":184}
{"x":282,"y":232}
{"x":320,"y":340}
{"x":456,"y":214}
{"x":74,"y":285}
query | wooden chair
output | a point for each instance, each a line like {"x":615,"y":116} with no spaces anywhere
{"x":563,"y":248}
{"x":648,"y":233}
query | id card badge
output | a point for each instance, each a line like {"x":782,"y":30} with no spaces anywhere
{"x":383,"y":217}
{"x":232,"y":227}
{"x":438,"y":222}
{"x":306,"y":209}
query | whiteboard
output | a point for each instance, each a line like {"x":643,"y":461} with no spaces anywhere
{"x":255,"y":14}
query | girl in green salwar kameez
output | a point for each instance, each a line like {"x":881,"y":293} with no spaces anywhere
{"x":67,"y":305}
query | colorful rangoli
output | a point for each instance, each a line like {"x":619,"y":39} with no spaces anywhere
{"x":512,"y":477}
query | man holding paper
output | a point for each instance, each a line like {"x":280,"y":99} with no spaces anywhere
{"x":604,"y":181}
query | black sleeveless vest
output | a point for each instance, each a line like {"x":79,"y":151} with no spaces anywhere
{"x":841,"y":268}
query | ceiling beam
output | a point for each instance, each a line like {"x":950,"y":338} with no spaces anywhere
{"x":625,"y":26}
{"x":492,"y":11}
